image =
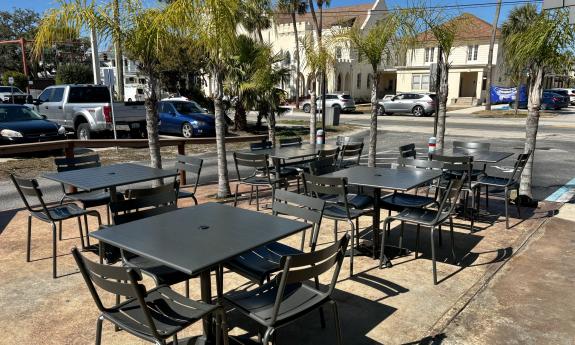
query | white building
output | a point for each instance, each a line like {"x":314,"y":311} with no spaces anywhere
{"x":134,"y":81}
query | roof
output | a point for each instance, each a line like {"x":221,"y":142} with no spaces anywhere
{"x":332,"y":15}
{"x":468,"y":27}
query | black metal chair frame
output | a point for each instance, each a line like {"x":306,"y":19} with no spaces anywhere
{"x":294,"y":141}
{"x":259,"y":162}
{"x":192,"y":165}
{"x":144,"y":310}
{"x":295,"y":270}
{"x":408,"y":151}
{"x":512,"y":183}
{"x":447,"y":204}
{"x":350,"y":150}
{"x":57,"y":214}
{"x":258,"y":264}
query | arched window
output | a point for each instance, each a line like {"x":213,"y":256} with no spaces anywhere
{"x":339,"y":82}
{"x":287,"y":59}
{"x":338,"y":52}
{"x":369,"y":81}
{"x":359,"y":81}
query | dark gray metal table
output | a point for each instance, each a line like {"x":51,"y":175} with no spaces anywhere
{"x":195,"y":239}
{"x":110,"y":176}
{"x":478,"y":156}
{"x":294,"y":152}
{"x":400,"y":179}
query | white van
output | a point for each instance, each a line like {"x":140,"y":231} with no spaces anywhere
{"x":134,"y":93}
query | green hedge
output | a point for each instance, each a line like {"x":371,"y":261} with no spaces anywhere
{"x":20,"y":80}
{"x":74,"y":73}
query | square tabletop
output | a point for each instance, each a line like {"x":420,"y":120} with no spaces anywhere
{"x":478,"y":156}
{"x":109,"y":176}
{"x":295,"y":151}
{"x":400,"y":178}
{"x":197,"y":238}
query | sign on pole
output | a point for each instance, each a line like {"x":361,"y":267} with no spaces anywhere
{"x":11,"y":80}
{"x":109,"y":82}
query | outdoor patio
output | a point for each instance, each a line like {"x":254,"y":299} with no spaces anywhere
{"x":395,"y":305}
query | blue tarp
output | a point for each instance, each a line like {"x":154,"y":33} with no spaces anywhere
{"x":501,"y":94}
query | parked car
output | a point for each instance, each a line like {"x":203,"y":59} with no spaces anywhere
{"x":7,"y":92}
{"x":342,"y":101}
{"x":185,"y":118}
{"x":549,"y":100}
{"x":418,"y":104}
{"x":19,"y":124}
{"x":87,"y":109}
{"x":566,"y":100}
{"x":566,"y":92}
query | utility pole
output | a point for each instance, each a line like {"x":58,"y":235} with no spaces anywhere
{"x":489,"y":80}
{"x":118,"y":52}
{"x":95,"y":57}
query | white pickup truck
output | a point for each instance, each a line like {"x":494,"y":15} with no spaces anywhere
{"x":86,"y":109}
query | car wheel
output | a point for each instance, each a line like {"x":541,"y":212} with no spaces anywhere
{"x":83,"y":131}
{"x":381,"y":110}
{"x":187,"y":130}
{"x":418,"y":111}
{"x":306,"y":108}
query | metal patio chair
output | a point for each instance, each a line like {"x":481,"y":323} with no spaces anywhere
{"x":153,"y":315}
{"x":508,"y":184}
{"x":350,"y":155}
{"x":432,"y":218}
{"x":407,"y":151}
{"x":189,"y":165}
{"x":258,"y":264}
{"x":294,"y":141}
{"x":33,"y":199}
{"x":287,"y":298}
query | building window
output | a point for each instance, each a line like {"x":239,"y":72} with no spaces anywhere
{"x":369,"y":81}
{"x":420,"y":82}
{"x":472,"y":52}
{"x":359,"y":81}
{"x":287,"y":58}
{"x":429,"y":54}
{"x":338,"y":52}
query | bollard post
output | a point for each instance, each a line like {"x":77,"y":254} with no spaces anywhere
{"x":182,"y":151}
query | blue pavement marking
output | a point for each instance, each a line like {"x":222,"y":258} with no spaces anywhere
{"x":563,"y":194}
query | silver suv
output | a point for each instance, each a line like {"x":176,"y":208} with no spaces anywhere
{"x":342,"y":101}
{"x":418,"y":104}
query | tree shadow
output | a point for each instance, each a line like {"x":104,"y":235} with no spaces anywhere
{"x":429,"y":340}
{"x":387,"y":287}
{"x":6,"y":217}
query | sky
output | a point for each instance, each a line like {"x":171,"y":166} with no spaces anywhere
{"x":485,"y":13}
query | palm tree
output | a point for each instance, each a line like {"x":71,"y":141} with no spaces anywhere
{"x":319,"y":30}
{"x":254,"y":15}
{"x":490,"y":56}
{"x":538,"y":42}
{"x":377,"y":44}
{"x":212,"y":24}
{"x":294,"y":7}
{"x":316,"y":59}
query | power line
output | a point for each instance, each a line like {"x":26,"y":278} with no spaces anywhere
{"x":334,"y":13}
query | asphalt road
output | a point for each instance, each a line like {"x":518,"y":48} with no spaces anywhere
{"x":555,"y":159}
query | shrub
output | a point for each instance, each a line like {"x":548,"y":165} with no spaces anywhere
{"x":74,"y":73}
{"x":20,"y":80}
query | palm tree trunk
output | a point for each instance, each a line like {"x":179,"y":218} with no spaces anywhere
{"x":312,"y":116}
{"x":316,"y":25}
{"x":223,"y":179}
{"x":442,"y":100}
{"x":240,"y":116}
{"x":260,"y":35}
{"x":297,"y":61}
{"x":373,"y":123}
{"x":516,"y":104}
{"x":152,"y":119}
{"x":118,"y":52}
{"x":531,"y":128}
{"x":272,"y":126}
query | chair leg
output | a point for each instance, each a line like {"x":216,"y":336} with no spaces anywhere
{"x":81,"y":232}
{"x":267,"y":335}
{"x":382,"y":249}
{"x":175,"y":339}
{"x":506,"y":208}
{"x":472,"y":221}
{"x":335,"y":231}
{"x":257,"y":198}
{"x":251,"y":195}
{"x":236,"y":196}
{"x":60,"y":230}
{"x":195,"y":200}
{"x":452,"y":240}
{"x":357,"y":232}
{"x":321,"y":315}
{"x":224,"y":327}
{"x":439,"y":237}
{"x":337,"y":323}
{"x":187,"y":288}
{"x":517,"y":204}
{"x":433,"y":256}
{"x":108,"y":219}
{"x":99,"y":330}
{"x":402,"y":226}
{"x":352,"y":248}
{"x":417,"y":241}
{"x":486,"y":197}
{"x":54,"y":240}
{"x":29,"y":239}
{"x":298,"y":184}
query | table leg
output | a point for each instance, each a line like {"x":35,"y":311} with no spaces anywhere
{"x":206,"y":292}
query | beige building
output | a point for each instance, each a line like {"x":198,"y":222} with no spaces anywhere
{"x":468,"y":63}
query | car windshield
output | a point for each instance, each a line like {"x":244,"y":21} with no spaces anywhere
{"x":89,"y":94}
{"x":345,"y":97}
{"x":10,"y":89}
{"x":13,"y":114}
{"x":187,"y":108}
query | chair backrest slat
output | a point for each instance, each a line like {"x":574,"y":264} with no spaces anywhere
{"x":263,"y":145}
{"x":407,"y":151}
{"x":75,"y":163}
{"x":31,"y":194}
{"x":333,"y":153}
{"x":322,"y":165}
{"x":303,"y":274}
{"x":295,"y":141}
{"x":351,"y":150}
{"x":192,"y":165}
{"x":142,"y":203}
{"x":419,"y":163}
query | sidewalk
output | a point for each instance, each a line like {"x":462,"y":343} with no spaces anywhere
{"x":531,"y":300}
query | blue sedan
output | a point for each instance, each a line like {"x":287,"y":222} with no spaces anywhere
{"x":185,"y":118}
